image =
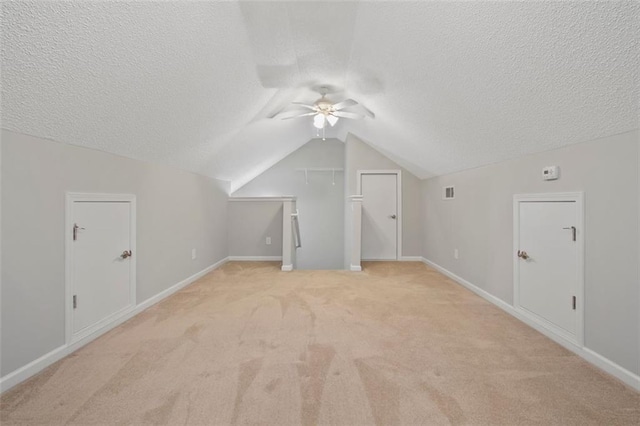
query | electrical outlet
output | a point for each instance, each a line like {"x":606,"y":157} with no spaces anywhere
{"x":193,"y":254}
{"x":455,"y":253}
{"x":268,"y":241}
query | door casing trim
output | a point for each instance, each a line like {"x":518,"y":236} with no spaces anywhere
{"x":398,"y":174}
{"x":71,"y":198}
{"x":578,"y":198}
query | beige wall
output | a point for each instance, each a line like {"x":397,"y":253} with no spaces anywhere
{"x":177,"y":211}
{"x":324,"y":211}
{"x":319,"y":202}
{"x":250,"y":223}
{"x":479,"y":224}
{"x":360,"y":156}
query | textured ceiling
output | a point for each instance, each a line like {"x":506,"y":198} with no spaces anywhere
{"x":454,"y":85}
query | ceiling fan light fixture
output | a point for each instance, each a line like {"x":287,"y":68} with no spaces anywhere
{"x":319,"y":121}
{"x":332,"y":119}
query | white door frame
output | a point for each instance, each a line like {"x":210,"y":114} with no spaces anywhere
{"x":72,"y":197}
{"x":578,"y":198}
{"x":398,"y":174}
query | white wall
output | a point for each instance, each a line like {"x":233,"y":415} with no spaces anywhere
{"x":320,"y":202}
{"x":361,"y":156}
{"x":250,"y":223}
{"x":177,"y":211}
{"x":479,"y":224}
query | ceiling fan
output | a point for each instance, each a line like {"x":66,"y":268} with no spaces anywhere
{"x":325,"y":111}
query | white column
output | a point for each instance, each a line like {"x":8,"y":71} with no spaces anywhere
{"x":288,"y":247}
{"x":356,"y":232}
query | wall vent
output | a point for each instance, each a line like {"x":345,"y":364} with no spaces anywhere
{"x":448,"y":193}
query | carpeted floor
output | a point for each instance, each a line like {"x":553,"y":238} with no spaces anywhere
{"x":396,"y":344}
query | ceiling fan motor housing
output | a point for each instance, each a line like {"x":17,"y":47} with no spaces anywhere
{"x":324,"y":106}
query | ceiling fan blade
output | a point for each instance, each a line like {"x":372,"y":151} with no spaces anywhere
{"x":345,"y":114}
{"x":289,"y":114}
{"x":289,"y":117}
{"x":344,"y":104}
{"x":313,"y":107}
{"x":368,"y":111}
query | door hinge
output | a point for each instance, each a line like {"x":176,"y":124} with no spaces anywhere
{"x":574,"y":303}
{"x":75,"y":301}
{"x":75,"y":231}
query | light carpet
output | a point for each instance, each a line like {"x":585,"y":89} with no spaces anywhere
{"x":396,"y":344}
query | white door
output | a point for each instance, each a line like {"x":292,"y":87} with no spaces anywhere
{"x":379,"y":216}
{"x":101,"y":262}
{"x":548,"y":263}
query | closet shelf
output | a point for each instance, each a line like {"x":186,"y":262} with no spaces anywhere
{"x":320,"y":169}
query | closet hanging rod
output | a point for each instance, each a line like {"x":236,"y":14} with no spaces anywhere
{"x":319,"y":169}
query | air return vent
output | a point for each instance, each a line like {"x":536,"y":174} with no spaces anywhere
{"x":448,"y":193}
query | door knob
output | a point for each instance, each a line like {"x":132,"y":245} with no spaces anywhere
{"x":393,"y":216}
{"x":523,"y":255}
{"x":126,"y":253}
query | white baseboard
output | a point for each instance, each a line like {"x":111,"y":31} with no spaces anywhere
{"x":255,"y":258}
{"x":410,"y":259}
{"x":477,"y":290}
{"x":356,"y":268}
{"x":621,"y":373}
{"x":176,"y":287}
{"x":34,"y":367}
{"x":399,"y":259}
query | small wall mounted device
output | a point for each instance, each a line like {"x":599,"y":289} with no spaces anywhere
{"x":448,"y":193}
{"x":550,"y":173}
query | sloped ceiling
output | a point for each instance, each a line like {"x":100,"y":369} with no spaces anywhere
{"x":454,"y":85}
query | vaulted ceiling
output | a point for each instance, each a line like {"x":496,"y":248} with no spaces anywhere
{"x":453,"y":85}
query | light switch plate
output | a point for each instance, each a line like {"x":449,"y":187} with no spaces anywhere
{"x":550,"y":173}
